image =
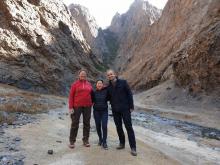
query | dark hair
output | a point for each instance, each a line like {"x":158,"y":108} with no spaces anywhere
{"x":99,"y":80}
{"x":82,"y":70}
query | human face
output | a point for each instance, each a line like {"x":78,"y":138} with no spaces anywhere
{"x":82,"y":75}
{"x":99,"y":85}
{"x":111,"y":75}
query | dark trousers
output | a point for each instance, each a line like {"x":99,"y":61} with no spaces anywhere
{"x":86,"y":111}
{"x":101,"y":121}
{"x":126,"y":117}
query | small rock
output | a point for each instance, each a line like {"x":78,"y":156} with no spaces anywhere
{"x":61,"y":118}
{"x":213,"y":135}
{"x":17,"y":139}
{"x":174,"y":98}
{"x":20,"y":162}
{"x":2,"y":99}
{"x":50,"y":152}
{"x":12,"y":148}
{"x":59,"y":141}
{"x":2,"y":131}
{"x":5,"y":124}
{"x":4,"y":159}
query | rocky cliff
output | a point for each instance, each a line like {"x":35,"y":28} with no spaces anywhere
{"x":130,"y":28}
{"x":183,"y":43}
{"x":93,"y":34}
{"x":111,"y":45}
{"x":41,"y":46}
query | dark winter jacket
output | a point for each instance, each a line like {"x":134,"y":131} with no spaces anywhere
{"x":121,"y":98}
{"x":100,"y":98}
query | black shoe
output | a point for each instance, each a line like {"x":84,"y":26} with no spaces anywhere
{"x":100,"y":143}
{"x":121,"y":146}
{"x":105,"y":146}
{"x":133,"y":152}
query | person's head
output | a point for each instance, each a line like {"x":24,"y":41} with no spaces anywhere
{"x":99,"y":84}
{"x":111,"y":74}
{"x":82,"y":74}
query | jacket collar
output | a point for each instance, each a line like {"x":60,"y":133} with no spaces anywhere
{"x":116,"y":82}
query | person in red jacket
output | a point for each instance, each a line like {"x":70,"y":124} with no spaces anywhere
{"x":80,"y":102}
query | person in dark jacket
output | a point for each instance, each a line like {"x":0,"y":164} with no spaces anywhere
{"x":121,"y":100}
{"x":100,"y":107}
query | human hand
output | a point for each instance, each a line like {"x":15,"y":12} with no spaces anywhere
{"x":131,"y":110}
{"x":71,"y":111}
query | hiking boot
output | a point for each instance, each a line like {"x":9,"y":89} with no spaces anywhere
{"x":105,"y":146}
{"x":86,"y":144}
{"x":121,"y":146}
{"x":133,"y":152}
{"x":71,"y":145}
{"x":100,"y":143}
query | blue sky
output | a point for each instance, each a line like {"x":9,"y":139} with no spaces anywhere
{"x":104,"y":10}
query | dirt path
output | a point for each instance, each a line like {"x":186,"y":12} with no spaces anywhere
{"x":37,"y":139}
{"x":52,"y":131}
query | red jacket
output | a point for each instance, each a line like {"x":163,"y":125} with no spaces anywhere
{"x":80,"y":94}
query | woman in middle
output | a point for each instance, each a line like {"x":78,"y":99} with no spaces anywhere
{"x":100,"y":107}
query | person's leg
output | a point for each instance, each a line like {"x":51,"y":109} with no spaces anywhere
{"x":104,"y":125}
{"x":86,"y":124}
{"x":126,"y":115}
{"x":118,"y":123}
{"x":75,"y":125}
{"x":97,"y":117}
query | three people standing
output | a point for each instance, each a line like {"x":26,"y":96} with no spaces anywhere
{"x":81,"y":99}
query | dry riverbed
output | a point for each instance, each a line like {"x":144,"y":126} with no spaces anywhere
{"x":161,"y":139}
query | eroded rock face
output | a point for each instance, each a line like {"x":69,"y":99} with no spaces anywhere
{"x":197,"y":62}
{"x":41,"y":46}
{"x":91,"y":31}
{"x":183,"y":43}
{"x":130,"y":29}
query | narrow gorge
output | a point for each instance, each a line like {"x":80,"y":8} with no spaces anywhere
{"x":170,"y":58}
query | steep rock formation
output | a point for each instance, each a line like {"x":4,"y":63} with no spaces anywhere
{"x":184,"y":42}
{"x":130,"y":28}
{"x":92,"y":33}
{"x":41,"y":46}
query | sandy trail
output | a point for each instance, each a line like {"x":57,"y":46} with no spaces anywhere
{"x":37,"y":139}
{"x":52,"y":131}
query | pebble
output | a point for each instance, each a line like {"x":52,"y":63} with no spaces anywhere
{"x":2,"y":99}
{"x":17,"y":139}
{"x":12,"y":148}
{"x":61,"y":118}
{"x":50,"y":152}
{"x":5,"y":124}
{"x":2,"y":131}
{"x":12,"y":160}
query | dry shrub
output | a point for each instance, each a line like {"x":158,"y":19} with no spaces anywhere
{"x":34,"y":108}
{"x":9,"y":119}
